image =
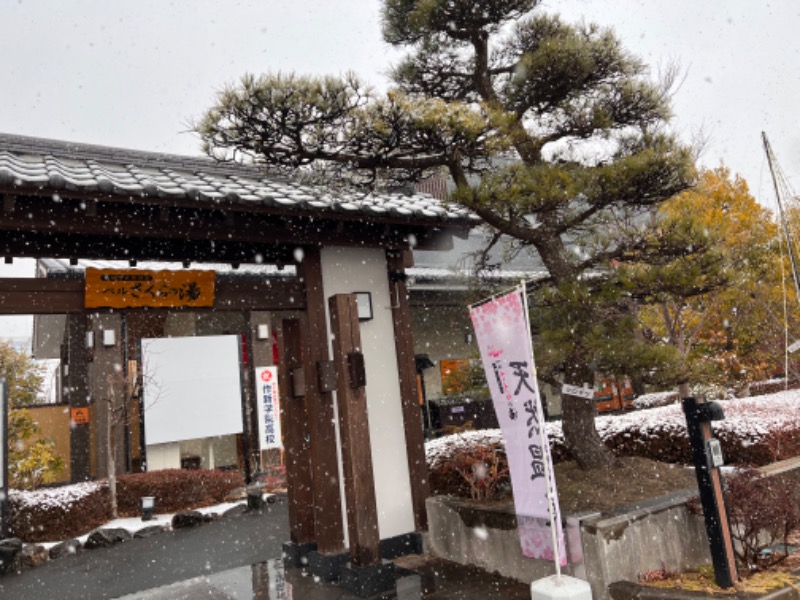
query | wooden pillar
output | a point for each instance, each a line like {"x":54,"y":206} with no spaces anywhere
{"x":78,"y":396}
{"x":699,"y":415}
{"x":351,"y":398}
{"x":412,"y":415}
{"x":319,"y":402}
{"x":294,"y":417}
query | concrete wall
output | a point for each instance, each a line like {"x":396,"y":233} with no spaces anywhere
{"x":48,"y":335}
{"x":348,"y":270}
{"x":655,"y":534}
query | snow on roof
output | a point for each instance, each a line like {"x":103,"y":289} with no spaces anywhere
{"x":36,"y":163}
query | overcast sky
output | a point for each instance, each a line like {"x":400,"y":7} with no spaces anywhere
{"x":134,"y":74}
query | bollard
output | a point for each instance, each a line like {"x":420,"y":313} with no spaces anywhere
{"x":560,"y":587}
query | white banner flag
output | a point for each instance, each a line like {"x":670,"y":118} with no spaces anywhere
{"x":503,"y":336}
{"x":269,"y":408}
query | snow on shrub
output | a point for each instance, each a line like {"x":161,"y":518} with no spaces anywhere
{"x":58,"y":513}
{"x":48,"y":515}
{"x":655,"y":399}
{"x":756,"y":431}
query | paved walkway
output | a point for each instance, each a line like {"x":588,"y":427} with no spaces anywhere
{"x":237,"y":557}
{"x":428,"y":578}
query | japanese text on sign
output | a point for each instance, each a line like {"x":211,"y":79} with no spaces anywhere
{"x":125,"y":288}
{"x":269,"y":407}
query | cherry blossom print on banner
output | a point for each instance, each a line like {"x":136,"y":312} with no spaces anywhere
{"x":502,"y":332}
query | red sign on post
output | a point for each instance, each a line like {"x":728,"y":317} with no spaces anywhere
{"x":79,"y":415}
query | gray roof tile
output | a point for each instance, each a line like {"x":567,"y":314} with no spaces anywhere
{"x":27,"y":162}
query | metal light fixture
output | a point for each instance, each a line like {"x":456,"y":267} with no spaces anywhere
{"x":147,"y":504}
{"x":364,"y":301}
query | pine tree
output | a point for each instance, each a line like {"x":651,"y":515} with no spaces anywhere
{"x":551,"y":132}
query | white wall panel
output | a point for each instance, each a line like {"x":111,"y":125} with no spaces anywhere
{"x":191,"y":388}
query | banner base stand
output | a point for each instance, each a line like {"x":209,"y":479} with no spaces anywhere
{"x":561,"y":587}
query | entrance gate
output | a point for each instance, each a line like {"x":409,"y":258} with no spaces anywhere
{"x":73,"y":201}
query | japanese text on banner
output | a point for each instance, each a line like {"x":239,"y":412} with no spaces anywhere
{"x":502,"y":333}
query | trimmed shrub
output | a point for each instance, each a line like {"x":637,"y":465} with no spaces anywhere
{"x":51,"y":514}
{"x":175,"y":489}
{"x":763,"y":511}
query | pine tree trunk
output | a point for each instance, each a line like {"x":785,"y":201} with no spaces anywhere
{"x":580,"y":434}
{"x":578,"y":414}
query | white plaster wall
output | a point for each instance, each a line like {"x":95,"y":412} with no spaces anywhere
{"x":163,"y":456}
{"x":347,"y":270}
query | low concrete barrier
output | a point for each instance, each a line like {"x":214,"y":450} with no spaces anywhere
{"x":602,"y":548}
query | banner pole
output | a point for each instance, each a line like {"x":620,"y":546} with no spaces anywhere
{"x":548,"y":474}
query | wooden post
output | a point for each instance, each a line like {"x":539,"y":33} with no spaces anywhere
{"x":698,"y":421}
{"x":294,"y":416}
{"x":412,"y":414}
{"x":324,"y":464}
{"x":78,"y":386}
{"x":359,"y":482}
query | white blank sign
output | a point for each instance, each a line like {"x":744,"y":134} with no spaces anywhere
{"x":191,"y":388}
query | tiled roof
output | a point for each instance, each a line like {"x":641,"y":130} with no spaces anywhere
{"x":27,"y":162}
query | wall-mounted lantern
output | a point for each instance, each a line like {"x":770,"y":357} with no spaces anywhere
{"x":262,"y":331}
{"x":364,"y":301}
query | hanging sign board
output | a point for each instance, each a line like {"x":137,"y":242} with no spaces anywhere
{"x":133,"y":288}
{"x":503,"y":336}
{"x":269,"y":408}
{"x":580,"y":392}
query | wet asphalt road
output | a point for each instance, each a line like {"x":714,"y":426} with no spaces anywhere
{"x":142,"y":564}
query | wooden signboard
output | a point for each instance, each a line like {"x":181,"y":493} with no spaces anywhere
{"x":79,"y":415}
{"x":129,"y":288}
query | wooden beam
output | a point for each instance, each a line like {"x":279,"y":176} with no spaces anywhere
{"x":409,"y":397}
{"x":324,"y":464}
{"x":299,"y":482}
{"x":35,"y":296}
{"x":91,"y":228}
{"x":351,"y":399}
